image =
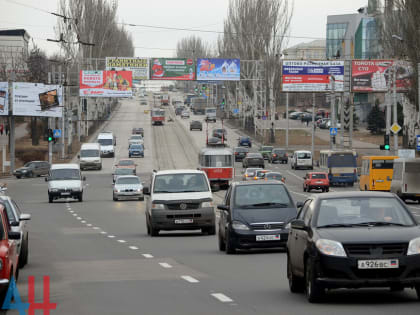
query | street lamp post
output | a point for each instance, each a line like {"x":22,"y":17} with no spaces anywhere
{"x":333,"y":120}
{"x":313,"y":125}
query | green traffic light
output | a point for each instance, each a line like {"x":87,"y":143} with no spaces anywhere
{"x":386,"y":147}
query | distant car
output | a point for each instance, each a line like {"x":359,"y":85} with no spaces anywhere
{"x":260,"y":174}
{"x":274,"y":176}
{"x":279,"y":155}
{"x":295,"y":115}
{"x":195,"y":124}
{"x":143,"y":102}
{"x":126,"y":163}
{"x":127,"y":187}
{"x":253,"y":160}
{"x":337,"y":125}
{"x":213,"y":141}
{"x":32,"y":169}
{"x":136,"y":150}
{"x":135,"y":139}
{"x":219,"y":132}
{"x":138,"y":131}
{"x":306,"y":117}
{"x":250,"y":173}
{"x":324,"y":123}
{"x":266,"y":152}
{"x":316,"y":180}
{"x":121,"y":171}
{"x":185,"y":114}
{"x":240,"y":153}
{"x":179,"y":110}
{"x":244,"y":141}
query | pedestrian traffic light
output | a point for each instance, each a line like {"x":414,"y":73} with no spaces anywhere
{"x":196,"y":89}
{"x":203,"y":87}
{"x":50,"y":135}
{"x":386,"y":145}
{"x":223,"y":101}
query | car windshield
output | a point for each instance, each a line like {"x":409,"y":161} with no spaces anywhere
{"x":266,"y":148}
{"x":127,"y":181}
{"x":319,"y":176}
{"x":136,"y":137}
{"x":241,"y":150}
{"x":105,"y":141}
{"x":276,"y":151}
{"x":10,"y":213}
{"x":89,"y":153}
{"x":342,"y":160}
{"x":254,"y":155}
{"x":382,"y":164}
{"x":244,"y":139}
{"x":304,"y":155}
{"x":218,"y":160}
{"x":123,"y":171}
{"x":250,"y":196}
{"x":136,"y":147}
{"x":367,"y":211}
{"x":65,"y":174}
{"x":179,"y":183}
{"x":273,"y":176}
{"x":126,"y":162}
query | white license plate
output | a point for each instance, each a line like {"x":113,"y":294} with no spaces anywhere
{"x":378,"y":264}
{"x":65,"y":194}
{"x":268,"y":237}
{"x":319,"y":182}
{"x":183,"y":221}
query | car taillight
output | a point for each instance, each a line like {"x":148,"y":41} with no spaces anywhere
{"x":255,"y":177}
{"x":283,"y":179}
{"x":274,"y":155}
{"x":236,"y":153}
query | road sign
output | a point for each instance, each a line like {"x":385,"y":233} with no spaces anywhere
{"x":264,"y":117}
{"x":418,"y":142}
{"x":235,"y":111}
{"x":395,"y":128}
{"x":407,"y":154}
{"x":57,"y":133}
{"x":333,"y":131}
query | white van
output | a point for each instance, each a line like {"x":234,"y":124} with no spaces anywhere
{"x":107,"y":142}
{"x":90,"y":156}
{"x":405,"y":179}
{"x":65,"y":181}
{"x":179,"y":200}
{"x":302,"y":159}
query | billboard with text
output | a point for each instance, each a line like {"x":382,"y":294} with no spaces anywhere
{"x":218,"y":69}
{"x":172,"y":69}
{"x":4,"y":98}
{"x":138,"y":66}
{"x":105,"y":83}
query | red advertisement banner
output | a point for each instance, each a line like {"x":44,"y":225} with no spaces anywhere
{"x":105,"y":83}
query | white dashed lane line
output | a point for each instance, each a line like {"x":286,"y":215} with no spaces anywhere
{"x":190,"y":279}
{"x":222,"y":298}
{"x":147,"y":256}
{"x":133,"y":247}
{"x":165,"y":265}
{"x":111,"y":236}
{"x":83,"y":221}
{"x":121,"y":241}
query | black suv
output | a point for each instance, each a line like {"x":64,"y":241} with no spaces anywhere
{"x":32,"y":169}
{"x":255,"y":215}
{"x":279,"y":155}
{"x":240,"y":153}
{"x":253,"y":160}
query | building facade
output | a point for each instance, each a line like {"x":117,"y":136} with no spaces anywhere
{"x":314,"y":50}
{"x":14,"y":51}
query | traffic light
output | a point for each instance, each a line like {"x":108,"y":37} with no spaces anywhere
{"x":223,"y":101}
{"x":50,"y":137}
{"x":386,"y":145}
{"x":203,"y":87}
{"x":196,"y":89}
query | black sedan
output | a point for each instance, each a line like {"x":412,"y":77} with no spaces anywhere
{"x":138,"y":131}
{"x":240,"y":153}
{"x":253,"y":160}
{"x":353,"y":240}
{"x":195,"y":124}
{"x":255,"y":215}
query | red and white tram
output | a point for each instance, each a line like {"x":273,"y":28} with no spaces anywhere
{"x":218,"y":163}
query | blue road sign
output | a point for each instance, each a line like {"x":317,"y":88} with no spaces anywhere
{"x":264,"y":117}
{"x":418,"y":142}
{"x":333,"y":131}
{"x":235,"y":110}
{"x":57,"y":133}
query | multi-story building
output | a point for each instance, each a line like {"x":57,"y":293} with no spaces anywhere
{"x":13,"y":52}
{"x":314,"y":50}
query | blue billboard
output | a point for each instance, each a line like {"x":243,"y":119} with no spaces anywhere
{"x":218,"y":69}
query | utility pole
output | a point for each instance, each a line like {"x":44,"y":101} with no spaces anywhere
{"x":12,"y":125}
{"x":333,"y":115}
{"x":287,"y":120}
{"x":313,"y":125}
{"x":394,"y":96}
{"x":388,"y":114}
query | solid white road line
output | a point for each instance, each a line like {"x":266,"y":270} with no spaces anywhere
{"x":111,"y":236}
{"x":165,"y":265}
{"x":222,"y":298}
{"x":121,"y":241}
{"x":190,"y":279}
{"x":74,"y":214}
{"x":95,"y":228}
{"x":147,"y":256}
{"x":133,"y":247}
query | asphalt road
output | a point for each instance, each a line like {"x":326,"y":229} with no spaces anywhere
{"x":100,"y":259}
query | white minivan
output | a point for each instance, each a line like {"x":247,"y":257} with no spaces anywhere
{"x":65,"y":181}
{"x":302,"y":159}
{"x":90,"y":156}
{"x":405,"y":179}
{"x":107,"y":142}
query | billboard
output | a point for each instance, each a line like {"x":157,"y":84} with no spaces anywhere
{"x":139,"y":66}
{"x":312,"y":76}
{"x":105,"y":83}
{"x":172,"y":69}
{"x":4,"y":98}
{"x":37,"y":99}
{"x":218,"y":69}
{"x":375,"y":75}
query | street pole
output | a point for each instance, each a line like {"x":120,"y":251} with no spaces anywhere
{"x":388,"y":116}
{"x":287,"y":119}
{"x":342,"y":120}
{"x":394,"y":96}
{"x":49,"y":143}
{"x":333,"y":120}
{"x":63,"y":117}
{"x":11,"y":129}
{"x":313,"y":125}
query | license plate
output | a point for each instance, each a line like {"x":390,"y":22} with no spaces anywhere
{"x":319,"y":182}
{"x":378,"y":264}
{"x":336,"y":175}
{"x":183,"y":221}
{"x":268,"y":237}
{"x":65,"y":194}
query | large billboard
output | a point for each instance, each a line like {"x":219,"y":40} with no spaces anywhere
{"x":105,"y":83}
{"x":312,"y":76}
{"x":139,"y":66}
{"x":37,"y":99}
{"x":218,"y":69}
{"x":4,"y":98}
{"x":172,"y":69}
{"x":376,"y":75}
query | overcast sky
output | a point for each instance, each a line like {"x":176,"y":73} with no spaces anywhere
{"x":309,"y":20}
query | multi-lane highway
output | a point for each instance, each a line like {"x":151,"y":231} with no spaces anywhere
{"x":101,"y":261}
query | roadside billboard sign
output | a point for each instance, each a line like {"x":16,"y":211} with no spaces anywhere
{"x":105,"y":83}
{"x":37,"y":99}
{"x":182,"y":69}
{"x":376,"y":75}
{"x":4,"y":98}
{"x":312,"y":76}
{"x":217,"y":69}
{"x":138,"y":66}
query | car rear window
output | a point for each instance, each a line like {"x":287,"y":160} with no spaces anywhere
{"x":128,"y":181}
{"x":254,"y":155}
{"x":318,"y":176}
{"x":241,"y":150}
{"x":126,"y":163}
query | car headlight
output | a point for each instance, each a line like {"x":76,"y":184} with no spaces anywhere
{"x":288,"y":226}
{"x":207,"y":204}
{"x":54,"y":190}
{"x":139,"y":190}
{"x":330,"y":248}
{"x":24,"y":171}
{"x":414,"y":247}
{"x":236,"y":225}
{"x":158,"y":206}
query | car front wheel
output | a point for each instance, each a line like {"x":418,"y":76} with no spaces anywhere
{"x":229,"y":245}
{"x":314,"y":293}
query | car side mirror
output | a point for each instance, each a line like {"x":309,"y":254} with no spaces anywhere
{"x":14,"y":235}
{"x":223,"y":207}
{"x":83,"y":178}
{"x":46,"y":179}
{"x":298,"y":225}
{"x":146,"y":191}
{"x":78,"y":156}
{"x":299,"y":204}
{"x":25,"y":217}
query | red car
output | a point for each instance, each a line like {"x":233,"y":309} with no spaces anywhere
{"x":316,"y":180}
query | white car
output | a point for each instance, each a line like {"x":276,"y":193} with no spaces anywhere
{"x":185,"y":114}
{"x":127,"y":187}
{"x":135,"y":139}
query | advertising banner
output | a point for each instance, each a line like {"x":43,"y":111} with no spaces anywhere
{"x":139,"y":66}
{"x":4,"y":98}
{"x":312,"y":76}
{"x":106,"y":83}
{"x":172,"y":69}
{"x":218,"y":69}
{"x":37,"y":99}
{"x":376,"y":75}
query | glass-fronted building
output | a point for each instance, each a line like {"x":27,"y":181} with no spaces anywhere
{"x":335,"y":36}
{"x":366,"y":40}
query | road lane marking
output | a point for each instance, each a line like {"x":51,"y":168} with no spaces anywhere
{"x":89,"y":225}
{"x":293,"y":174}
{"x":133,"y":247}
{"x":121,"y":241}
{"x":83,"y":221}
{"x":74,"y":214}
{"x":79,"y":218}
{"x":222,"y":298}
{"x":111,"y":236}
{"x":165,"y":265}
{"x":300,"y":194}
{"x":103,"y":232}
{"x":190,"y":279}
{"x":95,"y":228}
{"x":147,"y":256}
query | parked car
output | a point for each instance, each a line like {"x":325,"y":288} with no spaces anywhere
{"x":279,"y":155}
{"x":126,"y":163}
{"x":316,"y":180}
{"x":219,"y":132}
{"x":353,"y":240}
{"x":295,"y":115}
{"x":195,"y":124}
{"x":306,"y":117}
{"x":138,"y":131}
{"x":266,"y":150}
{"x":324,"y":123}
{"x":240,"y":153}
{"x":32,"y":169}
{"x":136,"y":150}
{"x":255,"y":215}
{"x":253,"y":159}
{"x":244,"y":141}
{"x":121,"y":171}
{"x":274,"y":176}
{"x":185,"y":114}
{"x":127,"y":187}
{"x":249,"y":173}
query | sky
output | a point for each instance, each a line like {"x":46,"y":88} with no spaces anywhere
{"x":308,"y":21}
